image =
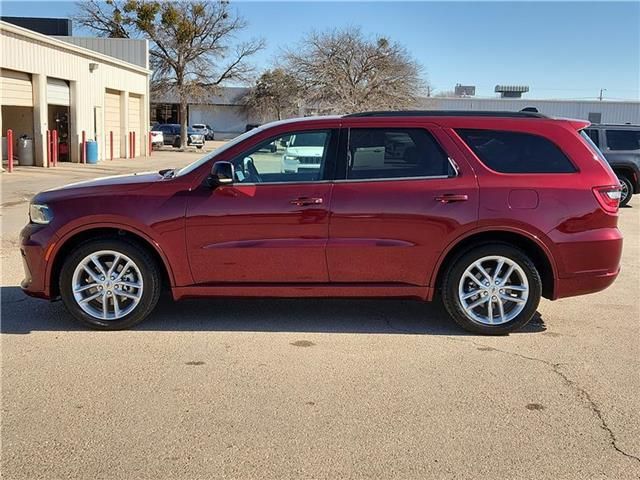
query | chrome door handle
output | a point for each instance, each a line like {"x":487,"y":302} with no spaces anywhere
{"x":302,"y":201}
{"x":452,"y":197}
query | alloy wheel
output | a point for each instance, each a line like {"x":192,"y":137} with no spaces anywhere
{"x":107,"y":285}
{"x":493,"y":290}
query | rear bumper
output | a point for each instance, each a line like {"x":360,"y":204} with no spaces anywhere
{"x":588,"y":264}
{"x":584,"y":284}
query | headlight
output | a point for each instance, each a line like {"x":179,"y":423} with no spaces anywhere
{"x":40,"y":214}
{"x":290,"y":158}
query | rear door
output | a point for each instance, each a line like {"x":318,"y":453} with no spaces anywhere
{"x":405,"y":192}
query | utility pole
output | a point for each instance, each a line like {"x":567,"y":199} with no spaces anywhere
{"x":601,"y":90}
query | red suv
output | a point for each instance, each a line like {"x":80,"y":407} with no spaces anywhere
{"x":489,"y":210}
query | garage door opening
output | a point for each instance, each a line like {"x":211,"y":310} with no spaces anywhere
{"x":59,"y":100}
{"x":16,"y":96}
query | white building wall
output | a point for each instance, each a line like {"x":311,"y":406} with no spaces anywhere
{"x":26,"y":51}
{"x":222,"y":118}
{"x":612,"y":112}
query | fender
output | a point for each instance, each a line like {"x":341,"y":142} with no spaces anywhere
{"x":538,"y":240}
{"x":62,"y":240}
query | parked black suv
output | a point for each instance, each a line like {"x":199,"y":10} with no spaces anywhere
{"x":620,"y":145}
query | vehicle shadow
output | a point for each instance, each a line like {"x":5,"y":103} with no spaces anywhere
{"x":23,"y":315}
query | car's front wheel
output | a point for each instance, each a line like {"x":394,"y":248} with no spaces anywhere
{"x":494,"y":289}
{"x":110,"y":284}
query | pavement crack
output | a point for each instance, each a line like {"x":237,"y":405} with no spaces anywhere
{"x":580,"y":391}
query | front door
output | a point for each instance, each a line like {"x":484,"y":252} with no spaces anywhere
{"x":271,"y":225}
{"x":398,"y":204}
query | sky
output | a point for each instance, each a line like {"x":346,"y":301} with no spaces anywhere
{"x":567,"y":50}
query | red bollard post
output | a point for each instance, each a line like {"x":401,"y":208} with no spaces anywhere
{"x":83,"y":148}
{"x":54,"y":142}
{"x":9,"y":150}
{"x":48,"y":148}
{"x":111,"y":144}
{"x":134,"y":144}
{"x":129,"y":156}
{"x":150,"y":144}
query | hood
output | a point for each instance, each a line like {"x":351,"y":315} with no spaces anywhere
{"x":119,"y":183}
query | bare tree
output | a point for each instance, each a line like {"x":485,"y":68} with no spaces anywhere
{"x":275,"y":94}
{"x":192,"y":50}
{"x":343,"y":71}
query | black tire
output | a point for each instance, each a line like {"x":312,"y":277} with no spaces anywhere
{"x":456,"y":269}
{"x":627,"y":189}
{"x":199,"y":147}
{"x":176,"y":142}
{"x":144,"y":261}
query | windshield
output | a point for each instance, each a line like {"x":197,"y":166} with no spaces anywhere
{"x":222,"y":148}
{"x":197,"y":125}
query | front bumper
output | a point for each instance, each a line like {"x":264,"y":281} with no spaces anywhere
{"x":35,"y":240}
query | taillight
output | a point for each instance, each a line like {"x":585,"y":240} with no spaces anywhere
{"x":608,"y":197}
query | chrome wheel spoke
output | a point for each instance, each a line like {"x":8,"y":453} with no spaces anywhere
{"x":515,"y":288}
{"x":91,"y":273}
{"x":467,"y":296}
{"x":490,"y":311}
{"x":477,"y":303}
{"x":500,"y":309}
{"x":99,"y":265}
{"x":107,"y":285}
{"x":105,"y":306}
{"x":508,"y":298}
{"x":116,"y":305}
{"x":114,"y":264}
{"x":91,"y":297}
{"x":82,"y":288}
{"x":497,"y":270}
{"x":133,"y":296}
{"x":472,"y":277}
{"x":484,"y":273}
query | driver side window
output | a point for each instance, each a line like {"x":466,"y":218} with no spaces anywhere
{"x":295,"y":157}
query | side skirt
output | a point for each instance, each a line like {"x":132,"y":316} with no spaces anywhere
{"x":316,"y":290}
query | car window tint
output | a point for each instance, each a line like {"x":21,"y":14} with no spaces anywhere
{"x":593,"y":135}
{"x":623,"y":139}
{"x":298,"y":157}
{"x":516,"y":152}
{"x":377,"y":153}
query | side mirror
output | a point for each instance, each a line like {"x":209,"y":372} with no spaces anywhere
{"x":221,"y":174}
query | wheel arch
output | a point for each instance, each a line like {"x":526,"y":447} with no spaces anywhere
{"x":628,"y":172}
{"x":76,"y":237}
{"x":532,"y":246}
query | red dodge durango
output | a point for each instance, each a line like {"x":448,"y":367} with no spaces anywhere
{"x":488,"y":210}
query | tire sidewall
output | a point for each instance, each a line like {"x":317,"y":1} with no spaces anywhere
{"x":148,"y":270}
{"x":460,"y":264}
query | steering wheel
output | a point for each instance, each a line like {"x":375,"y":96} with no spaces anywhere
{"x":250,"y":171}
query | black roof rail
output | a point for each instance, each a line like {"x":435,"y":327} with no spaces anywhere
{"x":446,"y":113}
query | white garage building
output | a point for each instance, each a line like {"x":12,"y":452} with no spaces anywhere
{"x":49,"y":83}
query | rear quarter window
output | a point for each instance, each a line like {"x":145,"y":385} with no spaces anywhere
{"x":623,"y":139}
{"x":516,"y":152}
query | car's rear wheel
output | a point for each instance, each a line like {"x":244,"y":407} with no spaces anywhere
{"x":627,"y":190}
{"x":494,"y":289}
{"x":110,"y":284}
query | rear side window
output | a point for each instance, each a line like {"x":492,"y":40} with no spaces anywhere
{"x":593,"y":135}
{"x":378,"y":153}
{"x":623,"y":139}
{"x":516,"y":152}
